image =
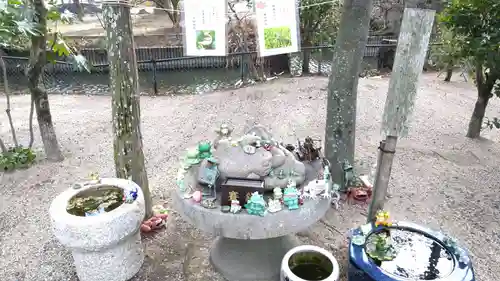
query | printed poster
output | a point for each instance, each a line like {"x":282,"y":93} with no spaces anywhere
{"x":205,"y":27}
{"x":277,"y":26}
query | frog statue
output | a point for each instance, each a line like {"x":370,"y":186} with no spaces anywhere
{"x":256,"y":205}
{"x":257,"y":155}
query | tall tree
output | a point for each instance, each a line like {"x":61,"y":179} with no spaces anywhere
{"x":343,"y":84}
{"x":124,"y":82}
{"x":23,"y":24}
{"x":478,"y":21}
{"x":39,"y":97}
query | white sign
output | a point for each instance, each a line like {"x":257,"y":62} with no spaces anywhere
{"x":277,"y":26}
{"x":205,"y":27}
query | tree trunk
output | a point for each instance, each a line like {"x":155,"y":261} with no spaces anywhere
{"x":484,"y":85}
{"x":306,"y":60}
{"x":306,"y":54}
{"x":79,"y":8}
{"x":39,"y":96}
{"x":127,"y":144}
{"x":7,"y":97}
{"x":3,"y":148}
{"x":476,"y":120}
{"x":449,"y":73}
{"x":343,"y":84}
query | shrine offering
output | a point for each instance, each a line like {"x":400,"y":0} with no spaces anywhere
{"x":240,"y":190}
{"x":277,"y":26}
{"x":205,"y":28}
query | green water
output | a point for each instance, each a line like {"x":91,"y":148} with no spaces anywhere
{"x":310,"y":272}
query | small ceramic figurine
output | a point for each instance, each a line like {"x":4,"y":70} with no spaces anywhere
{"x":225,"y":209}
{"x":180,"y":179}
{"x":197,"y":196}
{"x":208,"y":204}
{"x":315,"y":188}
{"x":382,"y":218}
{"x":204,"y":148}
{"x":256,"y":205}
{"x":278,"y":193}
{"x":274,"y":205}
{"x":248,"y":149}
{"x":130,"y":196}
{"x":348,"y":175}
{"x":307,"y":150}
{"x":281,"y":174}
{"x":291,"y":196}
{"x":208,"y":172}
{"x":223,"y":133}
{"x":235,"y":207}
{"x":192,"y":157}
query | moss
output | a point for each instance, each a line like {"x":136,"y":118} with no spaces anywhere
{"x":106,"y":197}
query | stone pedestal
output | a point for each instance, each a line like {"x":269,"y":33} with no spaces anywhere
{"x":250,"y":260}
{"x":250,"y":248}
{"x":106,"y":246}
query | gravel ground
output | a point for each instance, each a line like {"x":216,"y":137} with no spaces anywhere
{"x":440,"y":178}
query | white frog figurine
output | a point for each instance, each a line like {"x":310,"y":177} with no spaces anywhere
{"x":235,"y":206}
{"x":274,"y":205}
{"x":317,"y":188}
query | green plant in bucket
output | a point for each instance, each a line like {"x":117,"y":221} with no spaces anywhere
{"x":379,"y":247}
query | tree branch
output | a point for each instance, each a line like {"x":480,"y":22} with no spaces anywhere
{"x":7,"y":97}
{"x":2,"y":146}
{"x":30,"y":123}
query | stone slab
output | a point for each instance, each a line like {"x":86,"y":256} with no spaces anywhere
{"x":245,"y":226}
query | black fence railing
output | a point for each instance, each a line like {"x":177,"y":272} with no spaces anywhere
{"x":167,"y":71}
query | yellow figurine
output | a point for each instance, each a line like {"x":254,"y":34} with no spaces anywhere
{"x":382,"y":219}
{"x":94,"y":176}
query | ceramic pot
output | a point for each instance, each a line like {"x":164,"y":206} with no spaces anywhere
{"x":432,"y":258}
{"x":106,"y":246}
{"x":307,"y":263}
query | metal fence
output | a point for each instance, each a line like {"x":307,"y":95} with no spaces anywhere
{"x":166,"y":71}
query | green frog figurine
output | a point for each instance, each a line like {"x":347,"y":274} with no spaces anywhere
{"x":192,"y":158}
{"x":204,"y":149}
{"x":291,"y":196}
{"x":256,"y":205}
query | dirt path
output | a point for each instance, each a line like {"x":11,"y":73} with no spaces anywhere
{"x":440,"y":178}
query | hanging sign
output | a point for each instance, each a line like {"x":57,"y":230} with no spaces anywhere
{"x":205,"y":27}
{"x":277,"y":26}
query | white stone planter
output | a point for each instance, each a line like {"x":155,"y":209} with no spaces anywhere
{"x":107,"y":246}
{"x":305,"y":253}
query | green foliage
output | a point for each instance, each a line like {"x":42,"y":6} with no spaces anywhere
{"x":478,"y":23}
{"x":319,"y":21}
{"x":18,"y":25}
{"x":16,"y":158}
{"x":448,"y":52}
{"x":379,"y":247}
{"x":15,"y":23}
{"x":277,"y":37}
{"x":107,"y":200}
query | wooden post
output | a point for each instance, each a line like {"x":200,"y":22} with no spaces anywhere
{"x":408,"y":64}
{"x":124,"y":86}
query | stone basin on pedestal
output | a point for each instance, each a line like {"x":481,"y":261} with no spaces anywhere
{"x":249,"y":247}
